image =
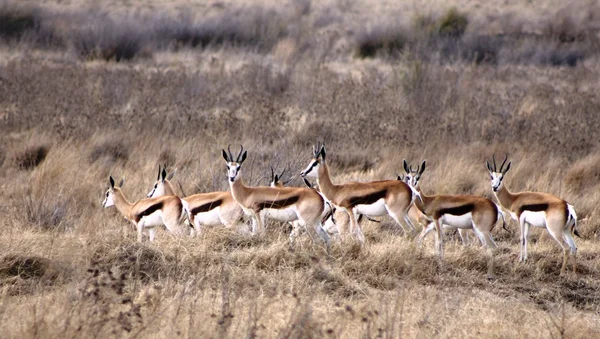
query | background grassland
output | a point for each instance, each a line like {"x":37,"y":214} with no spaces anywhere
{"x":88,"y":90}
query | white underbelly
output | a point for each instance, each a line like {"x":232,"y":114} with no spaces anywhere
{"x":209,"y":218}
{"x":535,"y":219}
{"x":457,"y":221}
{"x":153,"y":220}
{"x":284,"y":214}
{"x":376,"y":209}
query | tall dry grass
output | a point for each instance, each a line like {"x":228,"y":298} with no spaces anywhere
{"x":69,"y":268}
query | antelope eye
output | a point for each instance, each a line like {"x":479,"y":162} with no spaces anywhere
{"x":107,"y":194}
{"x":155,"y":185}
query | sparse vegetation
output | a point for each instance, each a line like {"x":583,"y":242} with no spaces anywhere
{"x":376,"y":86}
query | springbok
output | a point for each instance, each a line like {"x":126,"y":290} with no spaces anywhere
{"x":147,"y":213}
{"x":203,"y":209}
{"x":456,"y":211}
{"x":373,"y":199}
{"x":415,"y":214}
{"x":289,"y":204}
{"x":539,"y":210}
{"x":328,"y":221}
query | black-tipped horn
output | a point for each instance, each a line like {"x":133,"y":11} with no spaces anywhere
{"x":494,"y":161}
{"x":505,"y":158}
{"x":272,"y":174}
{"x":229,"y":151}
{"x":158,"y":176}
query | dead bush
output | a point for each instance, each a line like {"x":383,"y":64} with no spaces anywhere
{"x":111,"y":151}
{"x":16,"y":21}
{"x":31,"y":157}
{"x":45,"y":211}
{"x":453,"y":24}
{"x":133,"y":259}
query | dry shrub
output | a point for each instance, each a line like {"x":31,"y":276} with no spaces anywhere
{"x":110,"y":151}
{"x":352,"y":161}
{"x":31,"y":157}
{"x":384,"y":41}
{"x":16,"y":21}
{"x":133,"y":259}
{"x":453,"y":24}
{"x":25,"y":267}
{"x":46,"y":211}
{"x":20,"y":274}
{"x":2,"y":156}
{"x":583,"y":173}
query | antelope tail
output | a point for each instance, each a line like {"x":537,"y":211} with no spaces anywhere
{"x":185,"y":213}
{"x":503,"y":216}
{"x":572,"y":220}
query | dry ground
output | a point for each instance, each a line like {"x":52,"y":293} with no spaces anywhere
{"x":69,"y":268}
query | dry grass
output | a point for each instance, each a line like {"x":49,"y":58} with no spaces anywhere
{"x":71,"y":269}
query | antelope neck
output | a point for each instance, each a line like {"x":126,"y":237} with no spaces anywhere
{"x":505,"y":197}
{"x":327,"y":187}
{"x":121,"y":203}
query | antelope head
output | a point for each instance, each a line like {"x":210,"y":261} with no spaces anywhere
{"x":496,"y":175}
{"x":109,"y":199}
{"x":318,"y":159}
{"x":412,"y":175}
{"x":159,"y":186}
{"x":234,"y":166}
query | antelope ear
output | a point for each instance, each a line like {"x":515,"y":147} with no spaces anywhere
{"x":172,"y":174}
{"x":400,"y":177}
{"x":112,"y":182}
{"x":122,"y":182}
{"x":244,"y":157}
{"x":163,"y":174}
{"x":225,"y":156}
{"x":322,"y":152}
{"x":276,"y":178}
{"x":405,"y":164}
{"x":422,"y":167}
{"x":507,"y":168}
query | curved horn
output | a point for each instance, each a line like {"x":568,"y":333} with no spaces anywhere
{"x":272,"y":174}
{"x":158,"y":176}
{"x":505,"y":158}
{"x":281,"y":175}
{"x":240,"y":154}
{"x":494,"y":161}
{"x":229,"y":150}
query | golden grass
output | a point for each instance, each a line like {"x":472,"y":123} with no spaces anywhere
{"x":69,"y":268}
{"x":92,"y":278}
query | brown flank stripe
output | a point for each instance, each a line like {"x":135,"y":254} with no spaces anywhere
{"x":206,"y":207}
{"x":458,"y":210}
{"x":367,"y":199}
{"x":277,"y":204}
{"x":533,"y":208}
{"x":148,"y":211}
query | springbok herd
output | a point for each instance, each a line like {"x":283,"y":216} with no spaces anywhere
{"x":316,"y":210}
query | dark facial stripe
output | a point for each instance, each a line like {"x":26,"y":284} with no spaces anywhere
{"x":458,"y":210}
{"x":533,"y":208}
{"x":277,"y":204}
{"x":367,"y":199}
{"x":148,"y":211}
{"x":206,"y":207}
